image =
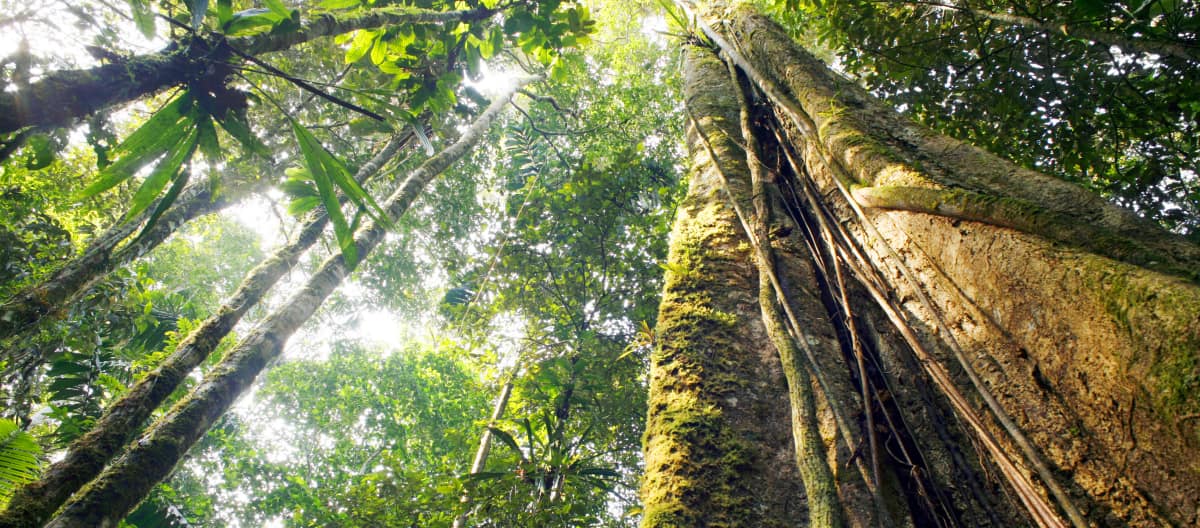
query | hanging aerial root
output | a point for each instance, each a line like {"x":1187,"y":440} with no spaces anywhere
{"x":846,"y":251}
{"x":824,"y":508}
{"x":1041,"y":511}
{"x":1037,"y":506}
{"x":839,"y":414}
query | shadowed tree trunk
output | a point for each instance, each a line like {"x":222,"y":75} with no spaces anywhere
{"x":35,"y":502}
{"x":151,"y":458}
{"x":990,"y":302}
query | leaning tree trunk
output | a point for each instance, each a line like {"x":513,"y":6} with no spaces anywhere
{"x":35,"y":502}
{"x":1064,"y":331}
{"x":152,"y":457}
{"x":26,"y":308}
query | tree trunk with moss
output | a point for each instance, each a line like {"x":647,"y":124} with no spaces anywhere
{"x":104,"y":254}
{"x":35,"y":502}
{"x":60,"y":98}
{"x":150,"y":458}
{"x":997,"y":315}
{"x":717,"y":442}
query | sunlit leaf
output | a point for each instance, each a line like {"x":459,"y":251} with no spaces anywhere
{"x":19,"y":457}
{"x":314,"y":160}
{"x":237,"y":127}
{"x":249,"y":21}
{"x":339,"y":4}
{"x":143,"y":17}
{"x":165,"y":172}
{"x":508,"y":440}
{"x":146,"y":144}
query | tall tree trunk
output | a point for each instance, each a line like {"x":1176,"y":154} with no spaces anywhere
{"x":717,"y":443}
{"x":1063,"y":330}
{"x":485,"y":447}
{"x":152,"y":457}
{"x":35,"y":502}
{"x":721,"y":347}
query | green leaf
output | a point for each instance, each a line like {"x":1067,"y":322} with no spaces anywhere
{"x":224,"y":12}
{"x":314,"y":160}
{"x":237,"y":127}
{"x":338,"y":4}
{"x":249,"y":21}
{"x":360,"y":45}
{"x":143,"y":17}
{"x":508,"y":440}
{"x":277,"y":7}
{"x":19,"y":458}
{"x":1089,"y":8}
{"x":206,"y":139}
{"x":379,"y":50}
{"x":152,"y":131}
{"x":43,"y":152}
{"x":63,"y":368}
{"x":529,"y":434}
{"x":166,"y":171}
{"x":303,"y":205}
{"x":179,"y":182}
{"x":299,"y":187}
{"x":340,"y":175}
{"x":147,"y":143}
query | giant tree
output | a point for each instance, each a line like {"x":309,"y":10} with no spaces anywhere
{"x":928,"y":289}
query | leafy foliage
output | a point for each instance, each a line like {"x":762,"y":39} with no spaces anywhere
{"x":391,"y":433}
{"x":20,"y":457}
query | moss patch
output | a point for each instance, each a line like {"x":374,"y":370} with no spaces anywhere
{"x":1162,"y":317}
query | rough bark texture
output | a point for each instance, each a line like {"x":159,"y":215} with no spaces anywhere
{"x":820,"y":486}
{"x":712,"y":345}
{"x":1089,"y":344}
{"x":152,"y":457}
{"x":717,"y":441}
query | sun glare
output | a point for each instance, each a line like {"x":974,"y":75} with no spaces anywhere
{"x":493,"y":83}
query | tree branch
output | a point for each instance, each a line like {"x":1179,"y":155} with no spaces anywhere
{"x":61,"y":97}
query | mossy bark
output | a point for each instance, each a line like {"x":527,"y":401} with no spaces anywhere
{"x":1090,"y":347}
{"x":25,"y":309}
{"x":35,"y":502}
{"x":717,"y":442}
{"x":128,"y":480}
{"x":721,"y":399}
